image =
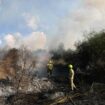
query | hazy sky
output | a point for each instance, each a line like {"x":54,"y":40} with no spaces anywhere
{"x":47,"y":23}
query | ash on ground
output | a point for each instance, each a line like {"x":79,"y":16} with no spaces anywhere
{"x":46,"y":91}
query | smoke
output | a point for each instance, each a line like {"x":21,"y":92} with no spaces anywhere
{"x":34,"y":41}
{"x":31,"y":21}
{"x":99,"y":4}
{"x":42,"y":57}
{"x":88,"y":16}
{"x":10,"y":40}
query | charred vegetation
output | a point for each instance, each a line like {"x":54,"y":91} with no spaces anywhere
{"x":17,"y":66}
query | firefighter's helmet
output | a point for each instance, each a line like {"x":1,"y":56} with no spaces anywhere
{"x":50,"y":61}
{"x":70,"y":66}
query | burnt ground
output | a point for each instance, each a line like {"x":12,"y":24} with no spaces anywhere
{"x":93,"y":94}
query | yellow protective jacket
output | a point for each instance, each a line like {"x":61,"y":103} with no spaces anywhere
{"x":50,"y":66}
{"x":71,"y":73}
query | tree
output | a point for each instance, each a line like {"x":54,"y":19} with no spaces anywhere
{"x":91,"y":52}
{"x":25,"y":62}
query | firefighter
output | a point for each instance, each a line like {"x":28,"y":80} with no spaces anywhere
{"x":71,"y":77}
{"x":49,"y":68}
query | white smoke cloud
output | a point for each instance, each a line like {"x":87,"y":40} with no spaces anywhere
{"x":99,"y":4}
{"x":10,"y":40}
{"x":89,"y":16}
{"x":34,"y":41}
{"x":31,"y":21}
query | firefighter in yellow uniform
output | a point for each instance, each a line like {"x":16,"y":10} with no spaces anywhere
{"x":71,"y":77}
{"x":50,"y":68}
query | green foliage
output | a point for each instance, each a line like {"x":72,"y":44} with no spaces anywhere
{"x":90,"y":53}
{"x":92,"y":50}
